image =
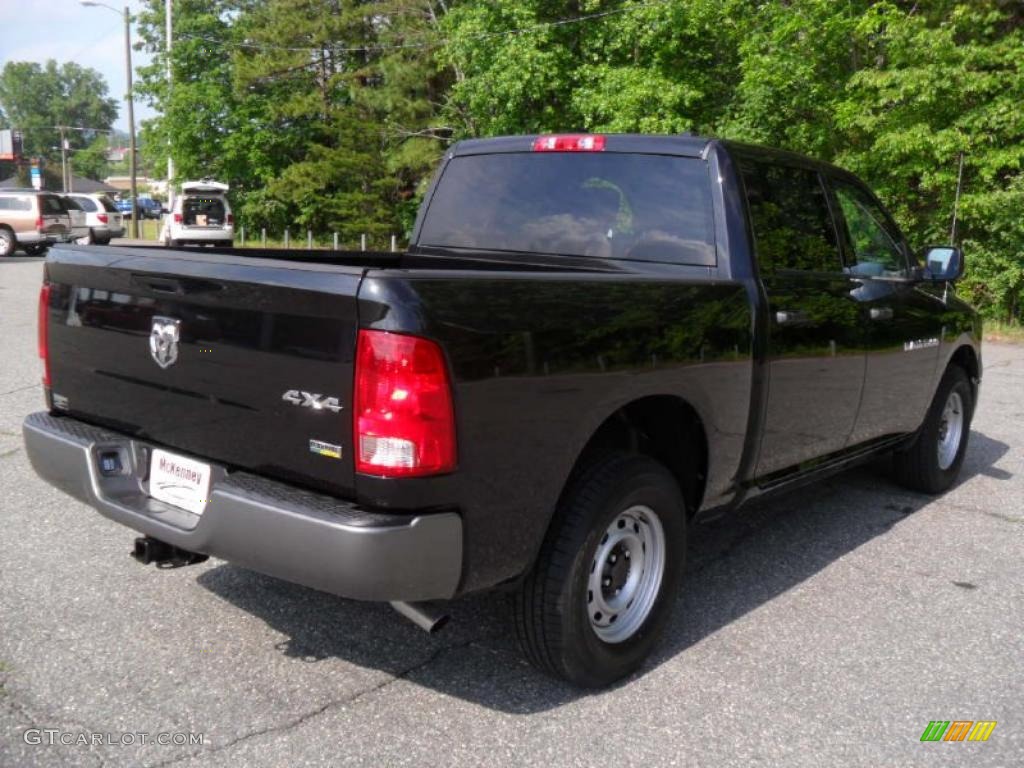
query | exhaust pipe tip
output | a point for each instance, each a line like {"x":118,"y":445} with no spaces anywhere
{"x":428,"y":616}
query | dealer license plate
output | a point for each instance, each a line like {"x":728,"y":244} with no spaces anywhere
{"x":179,"y":481}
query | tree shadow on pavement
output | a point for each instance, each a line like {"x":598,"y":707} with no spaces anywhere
{"x":735,"y":565}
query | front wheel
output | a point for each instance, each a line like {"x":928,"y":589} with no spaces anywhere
{"x":36,"y":250}
{"x":7,"y":242}
{"x":932,"y":462}
{"x":604,"y":583}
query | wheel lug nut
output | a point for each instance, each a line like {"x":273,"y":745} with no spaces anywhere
{"x":612,"y":558}
{"x":626,"y":554}
{"x":607,"y":582}
{"x":618,"y":590}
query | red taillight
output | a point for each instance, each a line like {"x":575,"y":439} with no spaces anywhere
{"x":231,"y":219}
{"x":44,"y":331}
{"x":177,"y":218}
{"x":39,"y":224}
{"x":404,"y":418}
{"x":102,"y":218}
{"x":574,"y":142}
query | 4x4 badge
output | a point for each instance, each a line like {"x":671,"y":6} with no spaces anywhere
{"x":311,"y":400}
{"x":163,"y":340}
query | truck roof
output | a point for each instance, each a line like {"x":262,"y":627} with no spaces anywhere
{"x":684,"y":144}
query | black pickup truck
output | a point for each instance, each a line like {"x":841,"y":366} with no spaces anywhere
{"x":592,"y":342}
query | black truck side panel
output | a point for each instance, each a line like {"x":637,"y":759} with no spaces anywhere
{"x":539,"y":365}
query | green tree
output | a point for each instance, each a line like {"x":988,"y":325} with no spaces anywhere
{"x":36,"y":99}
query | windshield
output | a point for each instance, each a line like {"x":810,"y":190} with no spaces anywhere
{"x":625,"y":206}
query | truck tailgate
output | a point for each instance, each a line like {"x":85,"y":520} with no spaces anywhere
{"x":228,"y":358}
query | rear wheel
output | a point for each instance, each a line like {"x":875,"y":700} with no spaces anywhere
{"x":36,"y":250}
{"x":88,"y":239}
{"x":602,"y":589}
{"x":7,"y":242}
{"x":932,"y":462}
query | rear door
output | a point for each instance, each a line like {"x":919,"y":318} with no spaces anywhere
{"x":902,"y":324}
{"x":54,"y":215}
{"x":236,"y":360}
{"x":815,"y":358}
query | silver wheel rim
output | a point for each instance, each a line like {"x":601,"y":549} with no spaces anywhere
{"x":6,"y":246}
{"x":625,"y":574}
{"x":951,"y":429}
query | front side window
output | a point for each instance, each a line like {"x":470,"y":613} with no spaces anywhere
{"x":790,"y":218}
{"x":599,"y":204}
{"x":108,"y":205}
{"x":873,"y":242}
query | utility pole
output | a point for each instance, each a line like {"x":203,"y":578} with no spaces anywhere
{"x":130,"y":98}
{"x":131,"y":120}
{"x":63,"y":161}
{"x":170,"y":160}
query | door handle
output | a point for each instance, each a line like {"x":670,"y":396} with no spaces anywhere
{"x":790,"y":317}
{"x":881,"y":313}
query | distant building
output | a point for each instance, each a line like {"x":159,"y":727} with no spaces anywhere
{"x":117,"y":154}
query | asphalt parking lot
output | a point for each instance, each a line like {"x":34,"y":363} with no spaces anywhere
{"x":826,"y":627}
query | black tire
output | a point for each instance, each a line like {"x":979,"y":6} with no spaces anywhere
{"x":919,"y":466}
{"x":36,"y":250}
{"x":89,"y":239}
{"x":551,"y":608}
{"x":8,"y":243}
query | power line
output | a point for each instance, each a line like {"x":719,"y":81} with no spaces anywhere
{"x":430,"y":44}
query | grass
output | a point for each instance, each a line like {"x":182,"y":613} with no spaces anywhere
{"x":149,"y":229}
{"x":997,"y":330}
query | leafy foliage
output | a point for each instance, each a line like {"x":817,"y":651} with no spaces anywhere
{"x":331,"y":114}
{"x":37,"y":98}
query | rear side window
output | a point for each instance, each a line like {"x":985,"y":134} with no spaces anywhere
{"x":790,"y":218}
{"x":86,"y":203}
{"x":50,"y":204}
{"x":108,"y":205}
{"x":601,"y":204}
{"x":73,"y":204}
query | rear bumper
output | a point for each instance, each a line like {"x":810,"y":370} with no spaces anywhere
{"x":268,"y":526}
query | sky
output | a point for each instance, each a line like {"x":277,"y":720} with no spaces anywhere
{"x":65,"y":30}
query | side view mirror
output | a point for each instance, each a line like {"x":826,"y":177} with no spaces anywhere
{"x":943,"y":263}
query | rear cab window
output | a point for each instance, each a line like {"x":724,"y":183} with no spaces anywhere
{"x":597,"y":204}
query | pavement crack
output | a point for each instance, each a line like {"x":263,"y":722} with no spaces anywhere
{"x":18,"y":389}
{"x":343,"y":702}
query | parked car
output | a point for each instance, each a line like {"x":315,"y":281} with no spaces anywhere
{"x":31,"y":220}
{"x":201,"y":216}
{"x":593,"y":343}
{"x":103,"y":219}
{"x":147,"y":206}
{"x":77,"y":217}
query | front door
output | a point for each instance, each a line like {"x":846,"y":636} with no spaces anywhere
{"x":815,"y":355}
{"x":902,"y":321}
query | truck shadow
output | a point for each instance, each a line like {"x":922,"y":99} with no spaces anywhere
{"x":735,"y":565}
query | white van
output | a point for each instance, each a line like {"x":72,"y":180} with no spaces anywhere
{"x":201,"y":215}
